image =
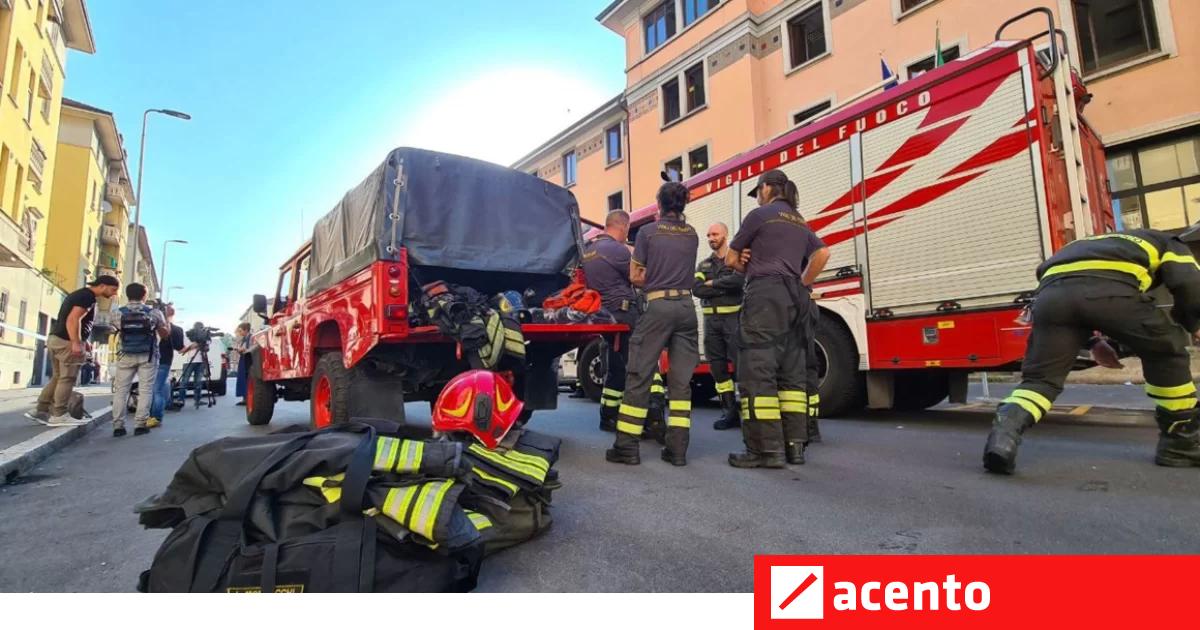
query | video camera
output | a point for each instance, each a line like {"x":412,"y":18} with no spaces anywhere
{"x":201,"y":335}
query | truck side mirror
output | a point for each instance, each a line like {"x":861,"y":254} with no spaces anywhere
{"x":260,"y":305}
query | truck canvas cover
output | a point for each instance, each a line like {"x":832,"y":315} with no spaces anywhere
{"x":452,"y":213}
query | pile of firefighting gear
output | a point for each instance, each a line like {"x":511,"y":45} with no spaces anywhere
{"x":357,"y":507}
{"x":490,"y":337}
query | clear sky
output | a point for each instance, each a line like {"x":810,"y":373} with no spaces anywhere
{"x":295,"y":101}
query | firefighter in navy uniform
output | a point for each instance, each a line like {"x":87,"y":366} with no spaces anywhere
{"x":1101,"y":284}
{"x":719,"y":288}
{"x":606,"y":268}
{"x":663,"y":254}
{"x":781,"y":257}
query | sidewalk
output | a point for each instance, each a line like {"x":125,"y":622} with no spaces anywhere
{"x":24,"y":442}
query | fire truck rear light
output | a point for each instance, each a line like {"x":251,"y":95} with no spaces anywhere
{"x":396,"y":311}
{"x":393,"y":271}
{"x":394,"y":290}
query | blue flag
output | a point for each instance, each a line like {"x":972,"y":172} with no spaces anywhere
{"x":887,"y":74}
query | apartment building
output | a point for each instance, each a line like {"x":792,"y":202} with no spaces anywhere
{"x":708,"y":79}
{"x":34,"y":38}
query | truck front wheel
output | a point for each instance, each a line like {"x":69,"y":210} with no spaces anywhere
{"x":260,"y":400}
{"x":842,"y":386}
{"x":330,"y":400}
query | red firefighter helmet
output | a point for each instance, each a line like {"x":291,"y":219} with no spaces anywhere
{"x":479,"y":402}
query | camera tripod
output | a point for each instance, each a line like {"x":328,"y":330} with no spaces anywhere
{"x":206,"y":376}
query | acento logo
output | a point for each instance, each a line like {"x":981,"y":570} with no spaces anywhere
{"x":797,"y":592}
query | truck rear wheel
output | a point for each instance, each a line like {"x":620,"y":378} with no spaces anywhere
{"x":260,"y":400}
{"x":330,"y":401}
{"x":842,"y":387}
{"x":590,"y":369}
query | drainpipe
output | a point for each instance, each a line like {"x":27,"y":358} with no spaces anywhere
{"x":628,"y":157}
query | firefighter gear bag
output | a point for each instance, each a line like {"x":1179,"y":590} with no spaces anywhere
{"x":247,"y":517}
{"x":511,"y":488}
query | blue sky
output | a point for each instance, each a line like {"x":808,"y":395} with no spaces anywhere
{"x":295,"y":101}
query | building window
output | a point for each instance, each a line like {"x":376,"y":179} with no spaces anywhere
{"x":21,"y":320}
{"x":3,"y":312}
{"x":915,"y":70}
{"x":697,"y":160}
{"x":569,"y":161}
{"x":807,"y":114}
{"x":1157,"y":186}
{"x":670,"y":99}
{"x":1114,"y":31}
{"x":693,"y":79}
{"x":16,"y":378}
{"x":695,"y":9}
{"x":612,"y":143}
{"x":693,"y":96}
{"x":29,"y":97}
{"x":14,"y":80}
{"x":806,"y":36}
{"x":659,"y":25}
{"x":909,"y":5}
{"x":616,"y":201}
{"x":674,"y":169}
{"x":5,"y":156}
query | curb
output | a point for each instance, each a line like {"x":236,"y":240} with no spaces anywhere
{"x":18,"y":459}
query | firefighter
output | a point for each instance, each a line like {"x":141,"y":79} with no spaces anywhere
{"x":1101,"y":284}
{"x":719,"y":288}
{"x":663,"y":254}
{"x":606,"y":267}
{"x":781,"y":257}
{"x":813,"y":378}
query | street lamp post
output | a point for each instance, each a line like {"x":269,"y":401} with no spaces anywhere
{"x":162,"y":279}
{"x":137,"y":213}
{"x":169,"y":292}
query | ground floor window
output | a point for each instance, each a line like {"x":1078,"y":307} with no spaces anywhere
{"x":1156,"y":184}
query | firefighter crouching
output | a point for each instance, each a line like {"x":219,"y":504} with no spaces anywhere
{"x":1100,"y":283}
{"x":606,"y":268}
{"x":662,"y":265}
{"x":719,"y":288}
{"x":781,"y":257}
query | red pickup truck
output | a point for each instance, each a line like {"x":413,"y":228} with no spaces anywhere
{"x":340,"y":333}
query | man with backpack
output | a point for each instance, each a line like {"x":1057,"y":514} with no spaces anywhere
{"x":140,"y":330}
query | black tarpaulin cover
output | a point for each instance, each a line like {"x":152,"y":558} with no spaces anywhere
{"x":450,"y":212}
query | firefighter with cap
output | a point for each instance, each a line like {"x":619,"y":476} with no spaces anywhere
{"x":663,"y":255}
{"x":1101,"y":284}
{"x":606,"y":268}
{"x":781,"y":257}
{"x":719,"y":288}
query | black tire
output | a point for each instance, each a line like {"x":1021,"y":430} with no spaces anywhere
{"x":915,"y":390}
{"x":330,"y":366}
{"x":260,"y":398}
{"x":842,"y":386}
{"x":219,"y":386}
{"x":590,"y":368}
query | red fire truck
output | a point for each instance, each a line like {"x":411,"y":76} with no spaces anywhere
{"x":938,"y":198}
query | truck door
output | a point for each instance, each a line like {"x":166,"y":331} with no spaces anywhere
{"x":295,"y":321}
{"x":280,"y":320}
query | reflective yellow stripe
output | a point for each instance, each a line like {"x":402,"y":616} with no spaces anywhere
{"x":792,"y":395}
{"x":385,"y":453}
{"x":1033,"y":409}
{"x":1170,"y":392}
{"x":1137,"y":271}
{"x":701,"y":277}
{"x":330,"y":487}
{"x":526,"y":458}
{"x":814,"y":399}
{"x":724,"y":387}
{"x":766,"y":401}
{"x":429,"y":502}
{"x":634,"y":412}
{"x":411,"y":454}
{"x":480,"y":521}
{"x":658,"y":377}
{"x":532,"y":472}
{"x":1178,"y":404}
{"x":767,"y":414}
{"x":608,"y":402}
{"x":680,"y":405}
{"x":720,"y":310}
{"x":793,"y":407}
{"x":1034,"y":397}
{"x":629,"y":427}
{"x":679,"y":421}
{"x":1149,"y":248}
{"x":504,"y":483}
{"x":395,"y":506}
{"x":657,"y":389}
{"x":1176,"y":258}
{"x":612,"y":393}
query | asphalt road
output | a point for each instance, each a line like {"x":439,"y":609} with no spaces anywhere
{"x":889,"y":483}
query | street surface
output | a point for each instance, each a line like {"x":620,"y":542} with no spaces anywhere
{"x":880,"y":483}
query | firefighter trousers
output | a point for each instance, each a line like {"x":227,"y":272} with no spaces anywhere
{"x":616,"y":358}
{"x":668,"y":323}
{"x":720,"y":349}
{"x":811,"y":367}
{"x":771,"y":365}
{"x":1065,"y":314}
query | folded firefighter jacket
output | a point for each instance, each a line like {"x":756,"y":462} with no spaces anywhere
{"x":489,"y":339}
{"x":511,"y":488}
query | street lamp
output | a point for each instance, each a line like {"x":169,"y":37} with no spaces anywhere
{"x":137,"y":214}
{"x":162,"y":279}
{"x":169,"y":292}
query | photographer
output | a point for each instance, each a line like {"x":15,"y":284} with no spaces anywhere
{"x":141,"y":329}
{"x":196,"y":364}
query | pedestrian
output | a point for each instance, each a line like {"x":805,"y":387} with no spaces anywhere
{"x":141,"y":329}
{"x":781,"y":257}
{"x":719,"y":288}
{"x":1102,"y":284}
{"x":193,"y":368}
{"x":162,"y":379}
{"x":606,"y":270}
{"x":663,"y":257}
{"x":66,"y":345}
{"x":241,"y":345}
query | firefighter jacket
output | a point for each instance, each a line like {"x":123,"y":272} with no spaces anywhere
{"x":1145,"y":259}
{"x":725,"y":294}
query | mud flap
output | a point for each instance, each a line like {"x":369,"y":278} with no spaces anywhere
{"x":376,"y":395}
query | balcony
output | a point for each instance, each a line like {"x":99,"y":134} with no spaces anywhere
{"x":37,"y":164}
{"x":16,"y":241}
{"x":116,"y":190}
{"x":110,"y":235}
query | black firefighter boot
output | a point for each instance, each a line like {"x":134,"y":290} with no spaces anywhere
{"x":608,"y":418}
{"x":675,"y":452}
{"x":656,"y":426}
{"x":1178,"y":440}
{"x":730,"y":419}
{"x":754,"y":456}
{"x":1000,"y":454}
{"x":794,"y":452}
{"x":625,"y":450}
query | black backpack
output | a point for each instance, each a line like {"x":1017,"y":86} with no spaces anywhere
{"x":137,"y":331}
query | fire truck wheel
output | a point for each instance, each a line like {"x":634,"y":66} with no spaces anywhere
{"x":329,"y":402}
{"x":843,"y":388}
{"x":260,"y":400}
{"x":919,"y":389}
{"x":590,"y":369}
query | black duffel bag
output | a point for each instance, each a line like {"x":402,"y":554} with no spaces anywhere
{"x":210,"y":552}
